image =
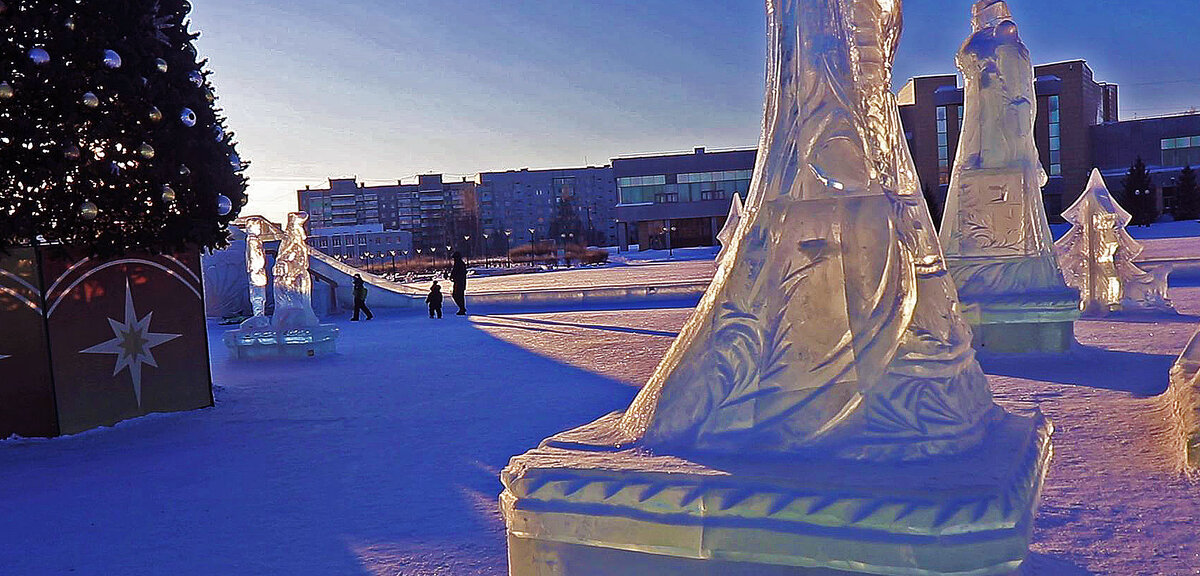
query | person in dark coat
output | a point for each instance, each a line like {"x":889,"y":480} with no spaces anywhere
{"x":435,"y":300}
{"x":360,"y":299}
{"x":458,"y":275}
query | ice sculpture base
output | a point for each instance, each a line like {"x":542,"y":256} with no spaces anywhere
{"x":580,"y":505}
{"x":1025,"y":338}
{"x":298,"y":343}
{"x":1181,"y":404}
{"x":1008,"y":319}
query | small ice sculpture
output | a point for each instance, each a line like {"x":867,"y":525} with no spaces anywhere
{"x":827,"y":349}
{"x":256,"y":267}
{"x":294,"y":329}
{"x":995,"y":234}
{"x":725,"y":236}
{"x":1097,"y":256}
{"x":293,"y":284}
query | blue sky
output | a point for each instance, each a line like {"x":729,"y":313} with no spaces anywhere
{"x":387,"y":89}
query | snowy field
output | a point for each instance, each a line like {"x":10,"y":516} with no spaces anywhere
{"x":384,"y":459}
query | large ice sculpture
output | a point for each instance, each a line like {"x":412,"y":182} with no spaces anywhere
{"x":294,"y":329}
{"x":1097,"y":256}
{"x":293,"y":285}
{"x":995,"y":234}
{"x":256,"y":268}
{"x":823,"y":407}
{"x":725,"y":236}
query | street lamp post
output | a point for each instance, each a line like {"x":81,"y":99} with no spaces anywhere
{"x":508,"y":244}
{"x":393,"y":253}
{"x":486,"y":251}
{"x":670,"y":248}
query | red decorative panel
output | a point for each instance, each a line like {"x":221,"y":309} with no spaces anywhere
{"x":26,"y":388}
{"x":126,"y":337}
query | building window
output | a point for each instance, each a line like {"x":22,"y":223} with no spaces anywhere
{"x":666,"y":198}
{"x":943,"y":128}
{"x":1181,"y":151}
{"x":337,"y":241}
{"x":1055,"y":138}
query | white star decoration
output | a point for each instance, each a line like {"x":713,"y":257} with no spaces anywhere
{"x":132,"y":344}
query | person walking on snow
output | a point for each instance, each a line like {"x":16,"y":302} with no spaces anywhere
{"x":435,"y":300}
{"x":458,"y":275}
{"x":360,"y":299}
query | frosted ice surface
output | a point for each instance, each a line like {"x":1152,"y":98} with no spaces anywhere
{"x":293,"y":285}
{"x":1097,"y":257}
{"x":725,"y":236}
{"x":831,"y":327}
{"x":995,"y":233}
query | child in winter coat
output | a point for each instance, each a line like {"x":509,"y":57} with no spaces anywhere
{"x":435,"y":300}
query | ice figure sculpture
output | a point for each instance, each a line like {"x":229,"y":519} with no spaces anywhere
{"x":995,"y":234}
{"x":1097,"y":257}
{"x":823,"y":407}
{"x":293,"y":285}
{"x":725,"y":236}
{"x":256,"y":267}
{"x":294,"y":329}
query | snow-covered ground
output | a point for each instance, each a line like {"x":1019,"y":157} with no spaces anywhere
{"x":384,"y":459}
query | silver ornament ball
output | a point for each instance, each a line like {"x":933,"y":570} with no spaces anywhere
{"x":224,"y":205}
{"x":160,"y":65}
{"x":90,"y":100}
{"x":188,"y":117}
{"x":168,"y":194}
{"x":112,"y":59}
{"x":146,"y":150}
{"x":6,"y":91}
{"x":88,"y":210}
{"x":39,"y":56}
{"x":155,"y":114}
{"x":197,"y":78}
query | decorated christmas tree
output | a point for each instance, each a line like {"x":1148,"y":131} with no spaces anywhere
{"x":1097,"y":257}
{"x":109,"y":139}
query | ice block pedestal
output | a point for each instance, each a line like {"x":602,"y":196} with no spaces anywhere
{"x":582,"y":504}
{"x":995,"y":234}
{"x":822,"y":411}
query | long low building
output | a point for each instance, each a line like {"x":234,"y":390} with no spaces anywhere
{"x":678,"y":200}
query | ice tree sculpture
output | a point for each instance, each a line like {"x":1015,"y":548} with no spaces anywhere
{"x":293,"y":285}
{"x":832,"y":327}
{"x":725,"y":236}
{"x":994,"y":230}
{"x":256,"y":267}
{"x":1097,"y":255}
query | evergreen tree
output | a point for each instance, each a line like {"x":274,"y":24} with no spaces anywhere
{"x":108,"y":135}
{"x":1187,"y":196}
{"x":567,"y":221}
{"x":935,"y":209}
{"x":1138,"y":194}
